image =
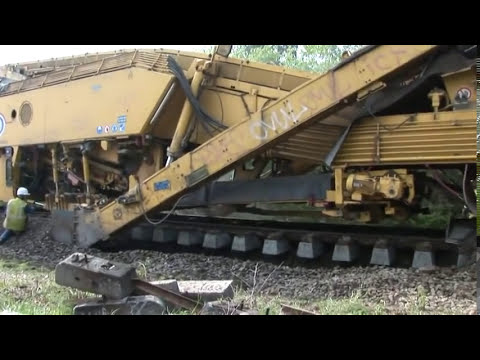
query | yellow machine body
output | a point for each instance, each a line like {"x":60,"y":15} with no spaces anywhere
{"x":122,"y":132}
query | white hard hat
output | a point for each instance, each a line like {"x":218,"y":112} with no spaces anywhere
{"x":22,"y":192}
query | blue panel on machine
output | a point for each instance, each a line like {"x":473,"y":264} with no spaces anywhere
{"x":161,"y":185}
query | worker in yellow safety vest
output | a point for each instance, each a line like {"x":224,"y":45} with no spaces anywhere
{"x":16,"y":215}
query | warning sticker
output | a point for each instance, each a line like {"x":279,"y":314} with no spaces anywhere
{"x":463,"y":94}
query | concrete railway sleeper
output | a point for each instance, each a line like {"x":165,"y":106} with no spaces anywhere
{"x":299,"y":244}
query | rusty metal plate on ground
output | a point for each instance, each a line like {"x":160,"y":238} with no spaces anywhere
{"x":289,"y":310}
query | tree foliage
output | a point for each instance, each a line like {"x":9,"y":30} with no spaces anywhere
{"x":315,"y":58}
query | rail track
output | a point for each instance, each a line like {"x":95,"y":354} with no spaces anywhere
{"x":396,"y":289}
{"x":307,"y":244}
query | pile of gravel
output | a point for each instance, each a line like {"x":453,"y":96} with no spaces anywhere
{"x":439,"y":290}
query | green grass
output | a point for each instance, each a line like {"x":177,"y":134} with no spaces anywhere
{"x":353,"y":305}
{"x":31,"y":290}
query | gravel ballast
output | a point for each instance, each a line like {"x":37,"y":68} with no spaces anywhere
{"x":439,"y":291}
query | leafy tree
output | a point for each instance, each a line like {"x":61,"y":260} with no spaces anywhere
{"x":316,"y":58}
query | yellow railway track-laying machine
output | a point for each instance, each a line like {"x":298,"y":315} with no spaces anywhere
{"x":107,"y":140}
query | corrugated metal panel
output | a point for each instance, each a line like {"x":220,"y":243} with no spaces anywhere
{"x":311,"y":144}
{"x":393,"y":140}
{"x":418,"y":139}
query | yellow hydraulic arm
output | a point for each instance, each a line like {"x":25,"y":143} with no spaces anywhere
{"x":307,"y":104}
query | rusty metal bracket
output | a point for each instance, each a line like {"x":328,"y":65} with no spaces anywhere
{"x":289,"y":310}
{"x":197,"y":176}
{"x":170,"y":296}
